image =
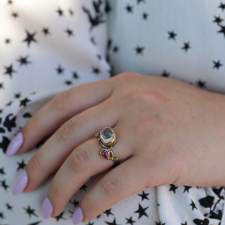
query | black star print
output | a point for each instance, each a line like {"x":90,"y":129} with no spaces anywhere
{"x":60,"y":12}
{"x":30,"y":38}
{"x":89,"y":223}
{"x":21,"y":165}
{"x":222,"y":6}
{"x":1,"y":110}
{"x":9,"y":70}
{"x":141,"y":211}
{"x":71,"y":12}
{"x":145,"y":16}
{"x":74,"y":202}
{"x":83,"y":187}
{"x":1,"y":215}
{"x":9,"y":207}
{"x":99,"y":56}
{"x":173,"y":188}
{"x":165,"y":74}
{"x":108,"y":212}
{"x":138,"y":1}
{"x":59,"y":69}
{"x":186,"y":188}
{"x":8,"y":104}
{"x":217,"y":20}
{"x":4,"y":144}
{"x":95,"y":70}
{"x":9,"y":123}
{"x":107,"y":7}
{"x":222,"y":30}
{"x":139,"y":50}
{"x":159,"y":223}
{"x":184,"y":223}
{"x":35,"y":223}
{"x":201,"y":83}
{"x":23,"y":60}
{"x":1,"y":86}
{"x":75,"y":75}
{"x":93,"y":40}
{"x":115,"y":49}
{"x":27,"y":115}
{"x":68,"y":82}
{"x":7,"y":41}
{"x":144,"y":195}
{"x":24,"y":102}
{"x":17,"y":95}
{"x":30,"y":211}
{"x":186,"y":46}
{"x":45,"y":31}
{"x":130,"y":221}
{"x":129,"y":8}
{"x":69,"y":32}
{"x":172,"y":35}
{"x":193,"y":205}
{"x":2,"y":172}
{"x":15,"y":14}
{"x":60,"y":217}
{"x":217,"y":64}
{"x":113,"y":223}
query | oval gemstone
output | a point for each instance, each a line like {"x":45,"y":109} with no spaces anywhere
{"x":107,"y":135}
{"x":104,"y":153}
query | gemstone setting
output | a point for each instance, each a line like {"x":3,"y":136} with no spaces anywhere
{"x":108,"y":136}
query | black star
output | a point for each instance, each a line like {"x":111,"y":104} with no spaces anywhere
{"x":107,"y":7}
{"x":184,"y":223}
{"x":30,"y":37}
{"x":222,"y":6}
{"x":141,"y":211}
{"x":186,"y":188}
{"x":7,"y":41}
{"x":9,"y":70}
{"x":99,"y":56}
{"x":69,"y":32}
{"x":217,"y":64}
{"x":59,"y":217}
{"x":159,"y":223}
{"x":193,"y":205}
{"x":93,"y":40}
{"x":68,"y":82}
{"x":83,"y":187}
{"x":113,"y":223}
{"x":9,"y":123}
{"x":201,"y":83}
{"x":89,"y":223}
{"x":115,"y":49}
{"x":23,"y":60}
{"x":27,"y":115}
{"x":74,"y":202}
{"x":186,"y":46}
{"x":1,"y":215}
{"x":130,"y":221}
{"x":59,"y":69}
{"x":217,"y":20}
{"x":165,"y":74}
{"x":8,"y":104}
{"x":17,"y":95}
{"x":99,"y":216}
{"x":108,"y":212}
{"x":145,"y":16}
{"x":129,"y":8}
{"x":139,"y":50}
{"x":4,"y":144}
{"x":173,"y":188}
{"x":144,"y":195}
{"x":1,"y":86}
{"x":60,"y":12}
{"x":71,"y":12}
{"x":2,"y":172}
{"x":15,"y":14}
{"x":9,"y":207}
{"x":35,"y":223}
{"x":222,"y":30}
{"x":45,"y":30}
{"x":95,"y":70}
{"x":30,"y":211}
{"x":24,"y":102}
{"x":138,"y":1}
{"x":75,"y":75}
{"x":172,"y":35}
{"x":21,"y":165}
{"x":1,"y":110}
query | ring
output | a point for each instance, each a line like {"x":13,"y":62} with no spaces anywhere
{"x":107,"y":138}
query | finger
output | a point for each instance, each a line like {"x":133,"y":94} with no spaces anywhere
{"x":84,"y":162}
{"x":62,"y":107}
{"x":75,"y":131}
{"x":126,"y":179}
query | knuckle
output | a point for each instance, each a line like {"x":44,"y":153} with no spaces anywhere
{"x":79,"y":160}
{"x":109,"y":186}
{"x":59,"y":102}
{"x":65,"y":132}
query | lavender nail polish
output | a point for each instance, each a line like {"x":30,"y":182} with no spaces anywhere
{"x":20,"y":183}
{"x":77,"y":216}
{"x":15,"y":144}
{"x":47,"y":208}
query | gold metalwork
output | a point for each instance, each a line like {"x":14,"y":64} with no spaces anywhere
{"x":110,"y":155}
{"x":111,"y":143}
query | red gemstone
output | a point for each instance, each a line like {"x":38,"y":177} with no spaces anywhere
{"x":105,"y":154}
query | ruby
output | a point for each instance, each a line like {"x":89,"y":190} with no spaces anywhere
{"x":105,"y":154}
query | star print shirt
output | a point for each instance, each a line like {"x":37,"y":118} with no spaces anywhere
{"x":47,"y":47}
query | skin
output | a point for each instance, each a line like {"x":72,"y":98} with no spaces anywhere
{"x":169,"y":132}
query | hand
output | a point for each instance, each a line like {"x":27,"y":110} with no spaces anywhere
{"x":168,"y":132}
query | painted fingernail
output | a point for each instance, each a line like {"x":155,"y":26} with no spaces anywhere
{"x":15,"y":144}
{"x":20,"y":183}
{"x":47,"y":208}
{"x":77,"y":216}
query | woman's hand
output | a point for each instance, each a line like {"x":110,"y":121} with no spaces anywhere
{"x":168,"y":132}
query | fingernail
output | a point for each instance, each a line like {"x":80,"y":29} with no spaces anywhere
{"x":20,"y":183}
{"x":77,"y":216}
{"x":47,"y":208}
{"x":15,"y":144}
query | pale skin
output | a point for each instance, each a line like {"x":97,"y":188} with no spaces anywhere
{"x":169,"y":132}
